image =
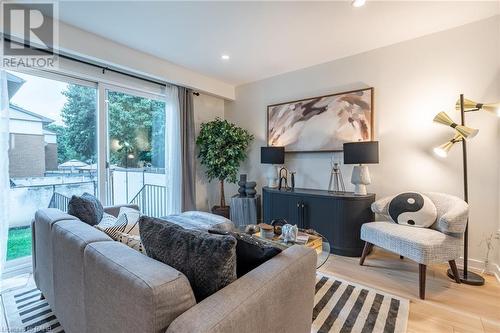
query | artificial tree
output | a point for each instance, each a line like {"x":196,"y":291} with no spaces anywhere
{"x":222,"y":147}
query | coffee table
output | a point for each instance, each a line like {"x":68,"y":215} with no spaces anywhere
{"x":316,"y":241}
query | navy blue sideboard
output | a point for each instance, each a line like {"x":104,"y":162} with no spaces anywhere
{"x":337,"y":216}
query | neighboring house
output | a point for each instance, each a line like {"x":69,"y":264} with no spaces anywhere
{"x":33,"y":148}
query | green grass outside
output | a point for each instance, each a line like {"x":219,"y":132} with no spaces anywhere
{"x":19,"y":243}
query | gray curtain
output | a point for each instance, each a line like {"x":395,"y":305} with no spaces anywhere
{"x":188,"y":199}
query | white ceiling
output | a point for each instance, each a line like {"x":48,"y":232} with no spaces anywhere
{"x":265,"y":38}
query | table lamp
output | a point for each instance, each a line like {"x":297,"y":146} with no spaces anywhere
{"x":275,"y":156}
{"x":363,"y":152}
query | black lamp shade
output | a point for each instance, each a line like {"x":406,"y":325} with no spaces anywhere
{"x":364,"y":152}
{"x":272,"y":155}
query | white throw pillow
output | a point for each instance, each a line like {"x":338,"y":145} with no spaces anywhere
{"x":412,"y":209}
{"x":131,"y":241}
{"x":111,"y":225}
{"x":133,"y":220}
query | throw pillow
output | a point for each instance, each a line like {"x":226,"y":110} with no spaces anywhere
{"x":131,"y":241}
{"x":87,"y":208}
{"x":250,"y":251}
{"x":413,"y":209}
{"x":132,"y":218}
{"x":208,"y":261}
{"x":112,"y":226}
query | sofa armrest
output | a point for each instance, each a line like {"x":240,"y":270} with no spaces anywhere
{"x":277,"y":296}
{"x":115,"y":210}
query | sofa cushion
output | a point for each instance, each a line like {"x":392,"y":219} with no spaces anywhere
{"x":208,"y":261}
{"x":87,"y":208}
{"x":200,"y":221}
{"x":250,"y":251}
{"x":423,"y":245}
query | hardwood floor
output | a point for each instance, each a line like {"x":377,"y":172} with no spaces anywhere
{"x":449,"y":307}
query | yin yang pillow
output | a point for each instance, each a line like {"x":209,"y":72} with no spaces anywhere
{"x":412,"y":209}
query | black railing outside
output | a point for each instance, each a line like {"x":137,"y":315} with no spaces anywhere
{"x":152,"y":200}
{"x":59,"y":201}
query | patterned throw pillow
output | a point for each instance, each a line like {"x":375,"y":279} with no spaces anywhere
{"x":132,"y":215}
{"x":413,"y":209}
{"x":131,"y":241}
{"x":113,"y":226}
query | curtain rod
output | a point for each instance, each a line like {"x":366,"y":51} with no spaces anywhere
{"x":94,"y":64}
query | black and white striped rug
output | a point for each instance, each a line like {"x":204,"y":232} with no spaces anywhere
{"x":342,"y":306}
{"x":339,"y":306}
{"x":25,"y":311}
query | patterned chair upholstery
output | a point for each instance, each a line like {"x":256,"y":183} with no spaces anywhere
{"x":442,"y":242}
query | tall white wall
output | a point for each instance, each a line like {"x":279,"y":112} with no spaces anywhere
{"x":413,"y":81}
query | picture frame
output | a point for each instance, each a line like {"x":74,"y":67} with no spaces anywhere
{"x":323,"y":123}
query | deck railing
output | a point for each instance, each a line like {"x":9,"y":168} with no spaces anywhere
{"x":152,"y":200}
{"x":59,"y":201}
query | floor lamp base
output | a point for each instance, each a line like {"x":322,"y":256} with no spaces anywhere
{"x":472,"y":279}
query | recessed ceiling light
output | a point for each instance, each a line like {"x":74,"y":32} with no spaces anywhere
{"x":224,"y":57}
{"x":358,"y":3}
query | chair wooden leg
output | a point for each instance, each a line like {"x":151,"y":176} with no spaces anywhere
{"x":421,"y":277}
{"x":42,"y":297}
{"x":401,"y":257}
{"x":368,"y":247}
{"x":454,"y":269}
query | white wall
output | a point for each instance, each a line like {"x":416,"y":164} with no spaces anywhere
{"x":413,"y":81}
{"x":206,"y":108}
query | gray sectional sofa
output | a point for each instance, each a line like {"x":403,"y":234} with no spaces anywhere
{"x":94,"y":284}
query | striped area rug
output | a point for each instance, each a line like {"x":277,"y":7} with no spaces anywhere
{"x":25,"y":311}
{"x":342,"y":306}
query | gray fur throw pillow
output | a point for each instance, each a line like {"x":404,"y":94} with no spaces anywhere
{"x":208,"y":261}
{"x":87,"y":208}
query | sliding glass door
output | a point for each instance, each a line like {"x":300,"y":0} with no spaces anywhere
{"x":136,"y":150}
{"x":52,"y":148}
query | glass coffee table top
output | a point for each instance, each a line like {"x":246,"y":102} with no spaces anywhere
{"x":316,"y":241}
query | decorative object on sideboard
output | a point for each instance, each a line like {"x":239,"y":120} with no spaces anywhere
{"x":322,"y":123}
{"x":462,"y":134}
{"x":289,"y":233}
{"x":278,"y":225}
{"x":241,"y":184}
{"x":336,"y":183}
{"x":250,"y":189}
{"x":266,"y":231}
{"x":361,"y":153}
{"x":222,"y":147}
{"x":252,"y":229}
{"x":275,"y":156}
{"x":283,"y":182}
{"x":292,"y":180}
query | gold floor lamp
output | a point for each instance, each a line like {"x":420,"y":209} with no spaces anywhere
{"x":462,"y":134}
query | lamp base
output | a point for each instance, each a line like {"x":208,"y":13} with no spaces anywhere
{"x":472,"y":279}
{"x":360,"y":178}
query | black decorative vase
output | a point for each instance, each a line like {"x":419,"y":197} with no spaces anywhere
{"x":241,"y":184}
{"x":250,"y":189}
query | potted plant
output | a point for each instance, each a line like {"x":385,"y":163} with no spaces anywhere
{"x":222,"y":147}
